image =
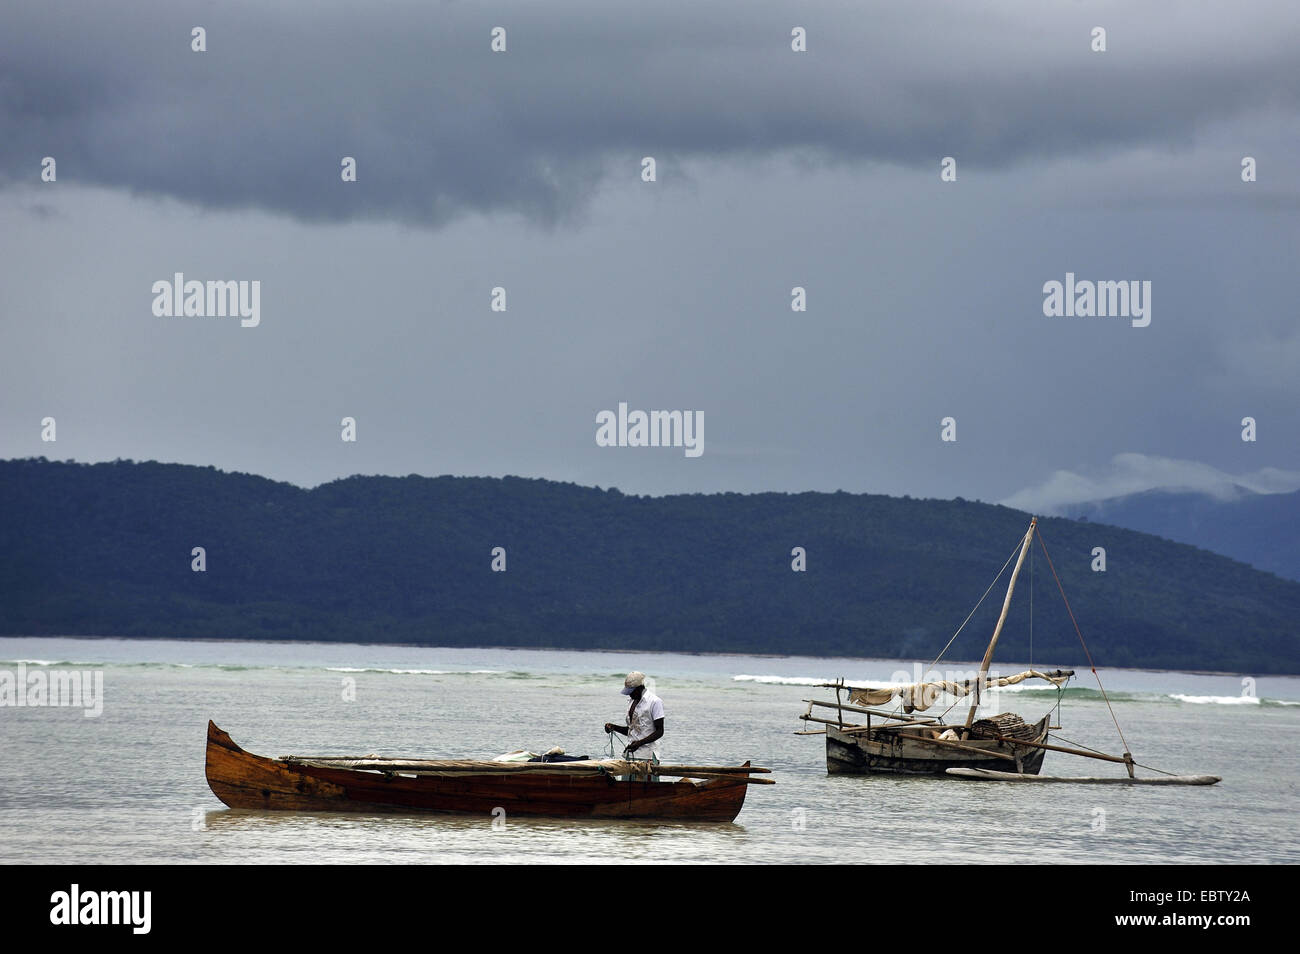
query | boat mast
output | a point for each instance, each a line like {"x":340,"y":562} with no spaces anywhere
{"x":997,"y":631}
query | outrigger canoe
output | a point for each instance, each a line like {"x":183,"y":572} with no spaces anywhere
{"x":597,"y":788}
{"x":901,"y":742}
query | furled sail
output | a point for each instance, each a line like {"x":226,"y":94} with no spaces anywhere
{"x":922,"y":695}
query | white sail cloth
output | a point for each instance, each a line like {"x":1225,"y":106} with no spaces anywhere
{"x":922,"y":695}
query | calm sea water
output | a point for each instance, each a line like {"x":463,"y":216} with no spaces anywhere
{"x":128,"y":786}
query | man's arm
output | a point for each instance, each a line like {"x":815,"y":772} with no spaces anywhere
{"x":620,"y":729}
{"x":658,"y":733}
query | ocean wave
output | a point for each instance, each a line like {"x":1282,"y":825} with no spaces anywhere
{"x":1076,"y":692}
{"x":782,"y":680}
{"x":873,"y":683}
{"x":417,"y":672}
{"x":1216,"y":700}
{"x":59,"y":663}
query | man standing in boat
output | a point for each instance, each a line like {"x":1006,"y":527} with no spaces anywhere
{"x":645,"y":720}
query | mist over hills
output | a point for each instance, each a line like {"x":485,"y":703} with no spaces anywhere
{"x":1260,"y":529}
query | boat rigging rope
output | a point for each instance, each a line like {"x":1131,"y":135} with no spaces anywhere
{"x":973,"y":611}
{"x":1091,"y":664}
{"x":967,"y":620}
{"x":1100,"y":752}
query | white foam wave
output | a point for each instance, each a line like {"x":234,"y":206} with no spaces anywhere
{"x":873,"y":683}
{"x":1216,"y":700}
{"x":417,"y":672}
{"x":782,"y":680}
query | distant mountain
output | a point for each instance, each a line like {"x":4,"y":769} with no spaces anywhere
{"x":1260,"y":529}
{"x":105,"y":549}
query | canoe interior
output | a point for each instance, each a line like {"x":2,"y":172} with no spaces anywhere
{"x":891,"y":752}
{"x":244,"y":780}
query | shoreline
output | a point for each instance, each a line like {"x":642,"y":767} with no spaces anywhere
{"x":590,"y":649}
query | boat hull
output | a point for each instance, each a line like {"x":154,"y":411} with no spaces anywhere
{"x":244,"y":780}
{"x":891,"y":754}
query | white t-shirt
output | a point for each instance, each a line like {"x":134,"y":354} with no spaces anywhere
{"x":641,"y":723}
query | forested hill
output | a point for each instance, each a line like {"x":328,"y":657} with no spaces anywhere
{"x":105,"y":549}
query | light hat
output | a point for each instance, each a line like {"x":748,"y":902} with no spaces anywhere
{"x":634,"y":680}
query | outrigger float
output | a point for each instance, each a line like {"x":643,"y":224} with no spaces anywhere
{"x":863,"y":739}
{"x":593,"y":788}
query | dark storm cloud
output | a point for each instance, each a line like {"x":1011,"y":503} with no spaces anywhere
{"x":440,"y":125}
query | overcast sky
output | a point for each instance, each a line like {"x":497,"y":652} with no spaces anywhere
{"x":522,"y":169}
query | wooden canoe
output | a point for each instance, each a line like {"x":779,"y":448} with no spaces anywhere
{"x":244,"y":780}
